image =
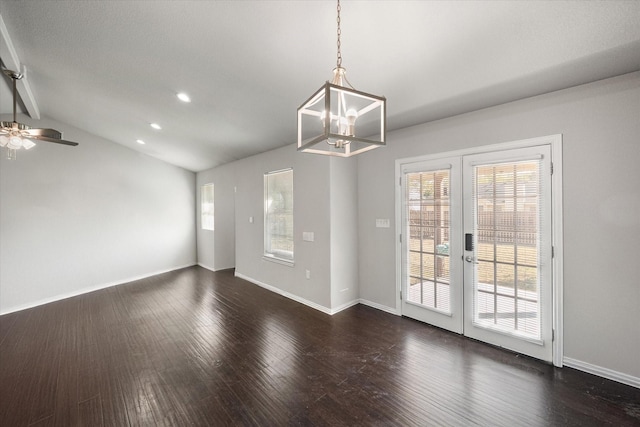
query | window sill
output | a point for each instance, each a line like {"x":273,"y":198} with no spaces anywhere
{"x":287,"y":262}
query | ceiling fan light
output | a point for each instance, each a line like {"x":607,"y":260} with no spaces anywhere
{"x":15,"y":142}
{"x":13,"y":135}
{"x":28,"y":144}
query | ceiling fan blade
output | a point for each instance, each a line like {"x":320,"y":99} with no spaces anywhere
{"x":49,"y":133}
{"x":56,"y":140}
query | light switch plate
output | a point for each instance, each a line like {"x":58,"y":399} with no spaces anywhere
{"x":308,"y":236}
{"x":382,"y":223}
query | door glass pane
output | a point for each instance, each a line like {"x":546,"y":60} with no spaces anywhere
{"x":427,"y":204}
{"x":507,"y":212}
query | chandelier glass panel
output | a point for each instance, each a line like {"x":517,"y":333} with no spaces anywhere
{"x":338,"y":120}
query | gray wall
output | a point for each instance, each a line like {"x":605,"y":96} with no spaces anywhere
{"x":600,"y":123}
{"x":73,"y":219}
{"x":325,"y":203}
{"x":311,"y":213}
{"x":76,"y":219}
{"x":217,"y":248}
{"x":344,"y":230}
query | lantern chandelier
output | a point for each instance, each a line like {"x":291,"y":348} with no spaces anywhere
{"x":338,"y":120}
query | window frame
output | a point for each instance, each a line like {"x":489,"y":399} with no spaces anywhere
{"x":269,"y":253}
{"x":204,"y":213}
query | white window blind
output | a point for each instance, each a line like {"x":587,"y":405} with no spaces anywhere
{"x":507,"y":213}
{"x":206,"y":207}
{"x":428,"y":230}
{"x":278,"y":215}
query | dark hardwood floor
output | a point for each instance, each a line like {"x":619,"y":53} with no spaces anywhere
{"x":192,"y":347}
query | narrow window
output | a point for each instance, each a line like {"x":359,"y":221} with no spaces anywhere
{"x":206,"y":207}
{"x":278,"y":215}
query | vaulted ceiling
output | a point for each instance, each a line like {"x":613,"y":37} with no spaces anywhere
{"x":111,"y":68}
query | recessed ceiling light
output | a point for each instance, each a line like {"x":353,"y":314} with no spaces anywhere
{"x":156,"y":126}
{"x":184,"y":97}
{"x":139,"y":141}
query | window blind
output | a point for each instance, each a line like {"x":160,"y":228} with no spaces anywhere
{"x":507,"y":210}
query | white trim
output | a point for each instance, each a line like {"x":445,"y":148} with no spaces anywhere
{"x":432,"y":167}
{"x":207,"y":267}
{"x":500,"y":146}
{"x":273,"y":258}
{"x":12,"y":62}
{"x":381,"y":307}
{"x":399,"y":174}
{"x":90,"y":289}
{"x":285,"y":293}
{"x":329,"y":311}
{"x":314,"y":305}
{"x":278,"y":171}
{"x":555,"y":142}
{"x":344,"y":306}
{"x":607,"y":373}
{"x":557,"y":243}
{"x":508,"y":160}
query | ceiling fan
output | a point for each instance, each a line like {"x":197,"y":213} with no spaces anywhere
{"x":15,"y":136}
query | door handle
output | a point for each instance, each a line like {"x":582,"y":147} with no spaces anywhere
{"x":470,"y":259}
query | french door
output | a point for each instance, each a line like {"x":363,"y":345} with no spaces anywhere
{"x":476,"y":246}
{"x":432,"y":265}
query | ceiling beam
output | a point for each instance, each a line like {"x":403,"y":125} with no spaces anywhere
{"x":11,"y":61}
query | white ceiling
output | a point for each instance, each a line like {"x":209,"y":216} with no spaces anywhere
{"x":113,"y":67}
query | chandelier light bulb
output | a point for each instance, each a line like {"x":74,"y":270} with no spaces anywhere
{"x":352,"y":115}
{"x":4,"y":140}
{"x":342,"y":126}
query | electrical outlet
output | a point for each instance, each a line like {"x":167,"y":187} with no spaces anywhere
{"x":307,"y":274}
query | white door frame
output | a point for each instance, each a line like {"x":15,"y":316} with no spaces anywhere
{"x":555,"y":142}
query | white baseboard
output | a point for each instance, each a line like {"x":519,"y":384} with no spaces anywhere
{"x":87,"y":290}
{"x":285,"y":294}
{"x":375,"y":305}
{"x":602,"y":372}
{"x":345,"y":306}
{"x":207,"y":267}
{"x":314,"y":305}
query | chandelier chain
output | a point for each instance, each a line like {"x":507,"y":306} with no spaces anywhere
{"x":339,"y":58}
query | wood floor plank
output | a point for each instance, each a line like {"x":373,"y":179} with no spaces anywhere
{"x":90,"y":412}
{"x":6,"y":323}
{"x":195,"y":347}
